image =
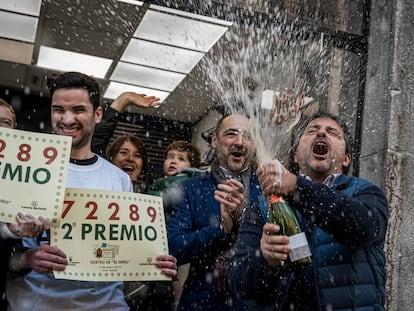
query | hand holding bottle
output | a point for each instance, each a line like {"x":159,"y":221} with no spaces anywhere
{"x":275,"y":181}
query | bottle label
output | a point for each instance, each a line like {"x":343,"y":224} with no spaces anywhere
{"x":299,"y":247}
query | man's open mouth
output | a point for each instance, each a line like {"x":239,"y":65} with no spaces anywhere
{"x":320,"y":148}
{"x":237,"y":154}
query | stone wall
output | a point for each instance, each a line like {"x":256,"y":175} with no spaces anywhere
{"x":387,"y":141}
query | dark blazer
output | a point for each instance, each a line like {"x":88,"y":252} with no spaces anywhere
{"x":195,"y":237}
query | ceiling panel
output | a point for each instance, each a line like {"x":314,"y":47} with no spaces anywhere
{"x":146,"y":77}
{"x":16,"y":52}
{"x":18,"y":27}
{"x":62,"y":60}
{"x":127,"y":35}
{"x":179,"y":31}
{"x":161,"y":56}
{"x":31,"y":7}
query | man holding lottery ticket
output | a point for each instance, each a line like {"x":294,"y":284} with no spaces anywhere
{"x":344,"y":218}
{"x":75,"y":111}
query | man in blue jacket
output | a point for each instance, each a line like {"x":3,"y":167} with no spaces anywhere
{"x":345,"y":220}
{"x":204,"y":224}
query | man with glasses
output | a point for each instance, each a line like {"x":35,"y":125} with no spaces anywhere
{"x":204,"y":223}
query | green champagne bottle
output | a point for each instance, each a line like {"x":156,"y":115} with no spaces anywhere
{"x":281,"y":213}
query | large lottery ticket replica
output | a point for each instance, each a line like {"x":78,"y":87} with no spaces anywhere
{"x":111,"y":236}
{"x":33,"y":169}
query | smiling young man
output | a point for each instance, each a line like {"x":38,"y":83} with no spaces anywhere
{"x":204,"y":223}
{"x":345,"y":220}
{"x":75,"y":111}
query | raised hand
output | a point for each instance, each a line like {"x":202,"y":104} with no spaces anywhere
{"x":275,"y":179}
{"x":134,"y":99}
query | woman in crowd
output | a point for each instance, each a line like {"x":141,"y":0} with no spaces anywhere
{"x":129,"y":154}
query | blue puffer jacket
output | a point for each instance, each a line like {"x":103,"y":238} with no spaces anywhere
{"x":345,"y":226}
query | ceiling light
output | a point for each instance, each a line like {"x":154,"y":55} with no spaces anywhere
{"x":179,"y":31}
{"x":161,"y":56}
{"x":63,"y":60}
{"x":139,"y":3}
{"x":31,"y":7}
{"x":146,"y":76}
{"x":18,"y":27}
{"x":115,"y":89}
{"x":191,"y":15}
{"x":166,"y":46}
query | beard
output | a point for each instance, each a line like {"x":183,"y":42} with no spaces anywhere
{"x":225,"y":161}
{"x":77,"y":142}
{"x":81,"y":142}
{"x":320,"y":169}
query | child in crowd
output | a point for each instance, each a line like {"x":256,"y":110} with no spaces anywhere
{"x":181,"y":161}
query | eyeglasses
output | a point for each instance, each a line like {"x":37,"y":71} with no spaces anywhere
{"x":235,"y":132}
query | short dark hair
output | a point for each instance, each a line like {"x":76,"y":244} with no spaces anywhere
{"x":194,"y":154}
{"x":76,"y":80}
{"x":300,"y":129}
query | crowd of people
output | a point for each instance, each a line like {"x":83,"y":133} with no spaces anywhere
{"x":224,"y":252}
